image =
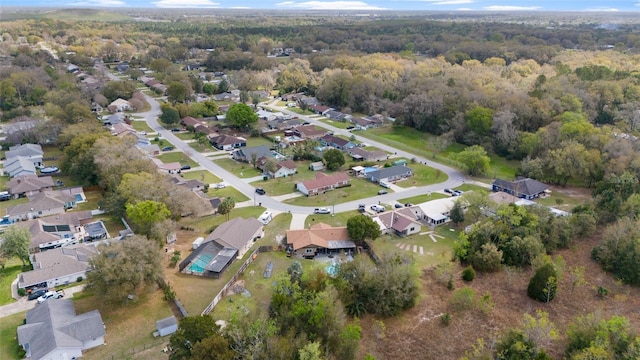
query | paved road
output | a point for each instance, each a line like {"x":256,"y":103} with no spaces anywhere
{"x":455,"y":177}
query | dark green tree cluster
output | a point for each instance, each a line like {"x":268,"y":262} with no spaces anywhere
{"x":591,"y":337}
{"x":619,"y":252}
{"x":361,"y":228}
{"x":544,"y":284}
{"x":241,"y":116}
{"x":361,"y":284}
{"x":334,"y":159}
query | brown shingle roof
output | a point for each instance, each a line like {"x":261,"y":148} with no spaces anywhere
{"x":318,"y":235}
{"x":26,"y":183}
{"x":323,"y":180}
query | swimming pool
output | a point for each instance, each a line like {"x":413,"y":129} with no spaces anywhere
{"x":200,"y":263}
{"x":79,"y":198}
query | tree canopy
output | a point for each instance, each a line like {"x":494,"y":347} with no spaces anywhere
{"x":361,"y":228}
{"x":241,"y":116}
{"x":16,"y":241}
{"x":334,"y":159}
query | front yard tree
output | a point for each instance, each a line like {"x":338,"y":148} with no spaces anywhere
{"x":192,"y":330}
{"x":457,"y":213}
{"x":362,"y":227}
{"x":334,"y":159}
{"x":146,"y":214}
{"x":226,"y":206}
{"x":475,"y":160}
{"x":124,"y":267}
{"x":15,"y":243}
{"x":241,"y":116}
{"x":178,"y":92}
{"x":170,"y":115}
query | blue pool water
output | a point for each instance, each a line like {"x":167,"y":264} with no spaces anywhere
{"x":78,"y":197}
{"x":200,"y":263}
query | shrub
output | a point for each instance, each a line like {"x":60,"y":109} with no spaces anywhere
{"x":468,"y":274}
{"x":22,"y":292}
{"x":489,"y":259}
{"x":543,"y":285}
{"x":79,"y":279}
{"x":446,"y":319}
{"x":450,"y":284}
{"x":462,"y":299}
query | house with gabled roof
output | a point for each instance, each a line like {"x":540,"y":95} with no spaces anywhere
{"x":191,"y":184}
{"x":251,"y":154}
{"x":402,"y":222}
{"x":334,"y":115}
{"x":319,"y":238}
{"x":336,"y":142}
{"x":190,"y":121}
{"x":359,"y":154}
{"x":56,"y":267}
{"x":53,"y":330}
{"x":323,"y":183}
{"x":524,"y":188}
{"x":166,"y":168}
{"x":57,"y":230}
{"x":389,"y":174}
{"x":238,"y":233}
{"x":19,"y":166}
{"x":309,"y":132}
{"x":32,"y":152}
{"x":227,"y":142}
{"x":42,"y":204}
{"x":119,"y":105}
{"x":320,"y":109}
{"x":28,"y":185}
{"x":283,"y":169}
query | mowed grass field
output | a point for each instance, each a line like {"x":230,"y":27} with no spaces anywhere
{"x":359,"y":189}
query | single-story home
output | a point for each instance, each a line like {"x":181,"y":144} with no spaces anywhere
{"x":524,"y":188}
{"x":402,"y":222}
{"x":42,"y":204}
{"x":56,"y":231}
{"x":53,"y":330}
{"x":335,"y":115}
{"x":227,"y":142}
{"x":19,"y":166}
{"x":238,"y":233}
{"x":359,"y":154}
{"x":283,"y":169}
{"x":167,"y":168}
{"x":319,"y":238}
{"x":190,"y":121}
{"x":56,"y":267}
{"x":320,"y":109}
{"x":119,"y":105}
{"x":113,"y":119}
{"x":323,"y":183}
{"x":436,"y":212}
{"x":251,"y":154}
{"x":389,"y":174}
{"x":336,"y":142}
{"x":193,"y":184}
{"x":309,"y":132}
{"x":33,"y":152}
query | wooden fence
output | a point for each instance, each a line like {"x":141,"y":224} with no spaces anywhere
{"x":234,"y":278}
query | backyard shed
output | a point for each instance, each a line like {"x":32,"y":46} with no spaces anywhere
{"x":167,"y":326}
{"x":197,"y":242}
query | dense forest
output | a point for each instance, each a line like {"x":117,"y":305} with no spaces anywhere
{"x":558,"y":95}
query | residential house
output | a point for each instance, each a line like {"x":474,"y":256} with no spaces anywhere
{"x":389,"y":174}
{"x":283,"y":169}
{"x":362,"y":124}
{"x":151,"y":149}
{"x":262,"y":94}
{"x":284,"y":124}
{"x":124,"y":130}
{"x":226,"y":96}
{"x":309,"y":132}
{"x":113,"y":119}
{"x":308,"y":101}
{"x":335,"y":115}
{"x":323,"y":183}
{"x":376,"y":120}
{"x":336,"y":142}
{"x":32,"y":152}
{"x":502,"y":197}
{"x":524,"y":188}
{"x":122,"y":67}
{"x":53,"y":330}
{"x":119,"y":105}
{"x":205,"y":129}
{"x":227,"y":142}
{"x":252,"y":154}
{"x":193,"y":184}
{"x":320,"y":109}
{"x":58,"y":230}
{"x":189,"y":121}
{"x":359,"y":154}
{"x":402,"y":222}
{"x":319,"y":238}
{"x":266,"y":115}
{"x":42,"y":204}
{"x":19,"y":166}
{"x":28,"y":185}
{"x":227,"y":242}
{"x":168,"y":168}
{"x":292,"y":96}
{"x":316,"y":166}
{"x":60,"y":266}
{"x":436,"y":212}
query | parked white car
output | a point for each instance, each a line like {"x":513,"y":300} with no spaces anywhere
{"x":378,"y":208}
{"x":321,"y":211}
{"x":220,"y":185}
{"x":50,"y":295}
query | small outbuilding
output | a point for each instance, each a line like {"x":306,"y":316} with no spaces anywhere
{"x":167,"y":326}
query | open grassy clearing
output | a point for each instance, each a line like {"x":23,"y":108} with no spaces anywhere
{"x":287,"y":185}
{"x":93,"y":198}
{"x":141,"y":126}
{"x":129,"y":326}
{"x":422,"y":198}
{"x":177,"y":156}
{"x":3,"y":182}
{"x":340,"y":219}
{"x":422,"y":175}
{"x":202,"y":147}
{"x":11,"y":269}
{"x":228,"y":191}
{"x":241,"y":170}
{"x":258,"y":141}
{"x":566,"y":198}
{"x":473,"y":187}
{"x":184,"y":135}
{"x":359,"y":189}
{"x":338,"y":124}
{"x":10,"y":350}
{"x":297,"y":110}
{"x":203,"y":175}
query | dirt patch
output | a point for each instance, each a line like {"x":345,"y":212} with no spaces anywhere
{"x":573,"y":191}
{"x":421,"y":330}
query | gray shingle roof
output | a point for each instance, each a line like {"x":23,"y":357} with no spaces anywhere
{"x":235,"y":233}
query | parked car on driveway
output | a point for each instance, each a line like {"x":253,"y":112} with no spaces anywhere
{"x":362,"y":207}
{"x":167,"y":148}
{"x":185,"y":167}
{"x":456,"y":193}
{"x":50,"y":295}
{"x":221,"y":185}
{"x":36,"y":293}
{"x":398,"y":206}
{"x":448,"y":191}
{"x":321,"y":211}
{"x":378,"y":208}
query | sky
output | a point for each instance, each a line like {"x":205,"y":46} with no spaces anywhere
{"x":369,"y":5}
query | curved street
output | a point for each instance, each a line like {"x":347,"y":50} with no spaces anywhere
{"x":455,"y":177}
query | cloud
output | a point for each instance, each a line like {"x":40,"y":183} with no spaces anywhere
{"x":329,"y":5}
{"x":240,"y":7}
{"x":453,"y":2}
{"x":186,"y":4}
{"x":603,"y":9}
{"x":464,"y":9}
{"x":511,"y":8}
{"x":107,"y":3}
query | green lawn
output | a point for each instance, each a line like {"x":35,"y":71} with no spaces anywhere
{"x":113,"y":224}
{"x":202,"y":224}
{"x":3,"y":182}
{"x":205,"y":147}
{"x":184,"y":135}
{"x":338,"y":124}
{"x":359,"y":189}
{"x":422,"y":175}
{"x":434,"y":252}
{"x":472,"y":187}
{"x":340,"y":219}
{"x":11,"y":270}
{"x":141,"y":126}
{"x":297,"y":110}
{"x":422,"y":198}
{"x":286,"y":185}
{"x":93,"y":197}
{"x":203,"y":175}
{"x":227,"y":192}
{"x":177,"y":156}
{"x":257,"y":141}
{"x":561,"y":201}
{"x":241,"y":170}
{"x":10,"y":350}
